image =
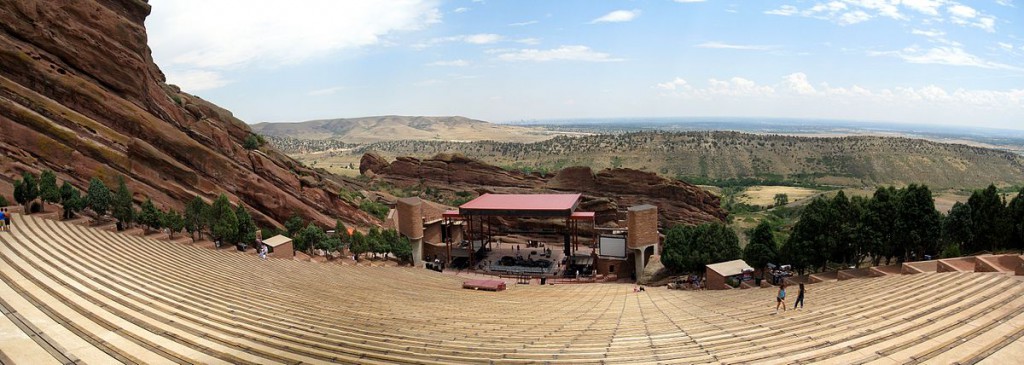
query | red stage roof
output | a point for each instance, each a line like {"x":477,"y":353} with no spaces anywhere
{"x":579,"y":216}
{"x":522,"y":205}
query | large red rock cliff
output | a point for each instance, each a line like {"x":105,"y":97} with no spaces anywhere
{"x":80,"y":95}
{"x":604,"y":192}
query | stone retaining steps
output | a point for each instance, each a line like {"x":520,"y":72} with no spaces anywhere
{"x":71,"y":294}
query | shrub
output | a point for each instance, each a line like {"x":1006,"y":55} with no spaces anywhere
{"x":251,"y":142}
{"x":375,"y":209}
{"x":3,"y":201}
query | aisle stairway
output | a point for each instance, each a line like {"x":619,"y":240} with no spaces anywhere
{"x":71,"y":294}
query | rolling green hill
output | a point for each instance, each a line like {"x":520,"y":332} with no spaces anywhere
{"x":722,"y":158}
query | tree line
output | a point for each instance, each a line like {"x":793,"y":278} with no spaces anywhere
{"x":221,"y":221}
{"x":892,"y":225}
{"x":308,"y":237}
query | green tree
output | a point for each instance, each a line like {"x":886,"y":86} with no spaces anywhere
{"x":309,"y":238}
{"x":246,"y":226}
{"x":917,"y":223}
{"x":99,"y":197}
{"x":992,"y":227}
{"x":224,"y":224}
{"x":342,"y":232}
{"x":358,"y":245}
{"x":1016,"y":217}
{"x":195,"y":217}
{"x":293,"y":225}
{"x":781,"y":199}
{"x":762,"y":248}
{"x":958,"y":226}
{"x":813,"y":238}
{"x":122,"y":206}
{"x":403,"y":250}
{"x":3,"y":201}
{"x":71,"y":200}
{"x":251,"y":142}
{"x":26,"y":190}
{"x":150,"y":215}
{"x":881,"y":220}
{"x":173,"y":221}
{"x":48,"y":190}
{"x":690,"y":248}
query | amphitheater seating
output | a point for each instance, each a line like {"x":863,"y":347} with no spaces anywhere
{"x":74,"y":294}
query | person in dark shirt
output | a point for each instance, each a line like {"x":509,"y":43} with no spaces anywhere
{"x":799,"y":298}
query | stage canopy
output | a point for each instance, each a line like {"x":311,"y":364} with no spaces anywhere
{"x":522,"y":205}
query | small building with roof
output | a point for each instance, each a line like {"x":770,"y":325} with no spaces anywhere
{"x":718,"y":273}
{"x":280,"y":247}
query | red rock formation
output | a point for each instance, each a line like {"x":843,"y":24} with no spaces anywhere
{"x":604,"y":192}
{"x":80,"y":94}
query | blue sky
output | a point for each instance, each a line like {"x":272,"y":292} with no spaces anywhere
{"x":917,"y":61}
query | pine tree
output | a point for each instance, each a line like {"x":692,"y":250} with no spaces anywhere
{"x":71,"y":200}
{"x":173,"y":221}
{"x":48,"y":190}
{"x":150,"y":215}
{"x":246,"y":227}
{"x":122,"y":206}
{"x":195,"y":217}
{"x":99,"y":197}
{"x":224,"y":224}
{"x":26,"y":190}
{"x":762,"y":248}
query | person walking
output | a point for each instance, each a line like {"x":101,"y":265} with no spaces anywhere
{"x":3,"y":219}
{"x":799,"y":297}
{"x":7,"y":220}
{"x":780,"y":300}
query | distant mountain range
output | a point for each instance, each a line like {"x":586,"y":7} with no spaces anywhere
{"x":394,"y":127}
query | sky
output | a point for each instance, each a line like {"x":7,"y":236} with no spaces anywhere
{"x":914,"y":61}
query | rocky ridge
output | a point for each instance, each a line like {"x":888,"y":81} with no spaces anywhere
{"x":80,"y":95}
{"x":605,"y":192}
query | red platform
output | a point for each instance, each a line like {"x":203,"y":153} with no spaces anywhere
{"x":482,"y":284}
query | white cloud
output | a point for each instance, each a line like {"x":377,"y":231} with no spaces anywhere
{"x":460,"y":10}
{"x":933,"y":33}
{"x":720,"y":45}
{"x":563,"y":53}
{"x":1005,"y":3}
{"x":486,"y":38}
{"x":797,"y":82}
{"x":785,"y":10}
{"x":1005,"y":46}
{"x":451,"y":63}
{"x":523,"y":24}
{"x":197,"y":33}
{"x":188,"y":36}
{"x":986,"y":23}
{"x":962,"y":11}
{"x":854,"y":17}
{"x":617,"y":16}
{"x":481,"y":38}
{"x":678,"y":83}
{"x":927,"y":7}
{"x":795,"y":89}
{"x":325,"y":91}
{"x":951,"y":56}
{"x":196,"y":80}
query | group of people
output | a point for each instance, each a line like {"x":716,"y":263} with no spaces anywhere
{"x":261,"y":249}
{"x":780,"y":300}
{"x":5,"y":220}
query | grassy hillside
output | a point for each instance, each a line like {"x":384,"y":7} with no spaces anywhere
{"x":392,"y":127}
{"x":733,"y":158}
